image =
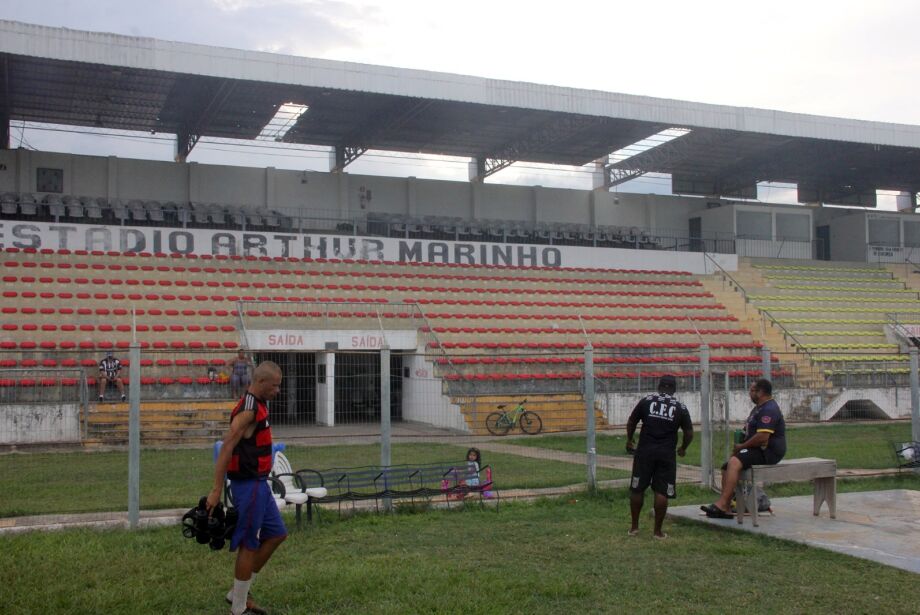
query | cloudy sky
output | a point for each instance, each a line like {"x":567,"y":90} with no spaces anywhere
{"x":842,"y":58}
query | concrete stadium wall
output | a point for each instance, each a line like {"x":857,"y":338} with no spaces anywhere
{"x":342,"y":194}
{"x":423,"y":400}
{"x":34,"y":423}
{"x":848,"y":237}
{"x":620,"y":405}
{"x":893,"y":402}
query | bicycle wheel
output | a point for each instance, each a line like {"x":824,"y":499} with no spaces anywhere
{"x":497,"y":424}
{"x":531,"y":423}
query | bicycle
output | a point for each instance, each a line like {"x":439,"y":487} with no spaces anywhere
{"x":500,"y":423}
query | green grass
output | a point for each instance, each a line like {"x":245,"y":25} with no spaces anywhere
{"x":853,"y":445}
{"x":566,"y":555}
{"x":39,"y":483}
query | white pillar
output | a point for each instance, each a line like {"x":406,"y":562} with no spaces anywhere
{"x":194,"y":183}
{"x":343,"y":194}
{"x":269,"y":187}
{"x":24,"y":173}
{"x":599,"y":175}
{"x":111,"y":178}
{"x":325,"y":390}
{"x":475,"y":200}
{"x":411,"y":196}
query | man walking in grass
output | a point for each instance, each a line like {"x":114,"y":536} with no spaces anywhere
{"x":655,"y":463}
{"x":246,"y":459}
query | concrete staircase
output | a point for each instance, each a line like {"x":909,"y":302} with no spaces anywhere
{"x":731,"y":294}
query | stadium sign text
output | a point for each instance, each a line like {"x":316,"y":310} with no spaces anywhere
{"x":39,"y":235}
{"x":309,"y":339}
{"x":224,"y":243}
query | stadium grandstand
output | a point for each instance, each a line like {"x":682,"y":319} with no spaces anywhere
{"x":481,"y":293}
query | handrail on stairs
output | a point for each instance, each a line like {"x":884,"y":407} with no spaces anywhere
{"x":899,"y":328}
{"x":763,"y":312}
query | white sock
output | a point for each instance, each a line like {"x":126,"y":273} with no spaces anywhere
{"x":240,"y":591}
{"x":252,"y":579}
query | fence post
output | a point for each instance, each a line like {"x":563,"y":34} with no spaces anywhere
{"x":765,"y":369}
{"x":589,"y":418}
{"x":84,"y":403}
{"x":914,"y":396}
{"x":727,"y":425}
{"x":385,"y":460}
{"x":385,"y":405}
{"x":134,"y":435}
{"x":705,"y":420}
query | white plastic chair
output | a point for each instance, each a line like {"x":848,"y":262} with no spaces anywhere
{"x":293,"y":492}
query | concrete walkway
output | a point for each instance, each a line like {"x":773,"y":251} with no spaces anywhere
{"x":685,"y":473}
{"x":882,"y":526}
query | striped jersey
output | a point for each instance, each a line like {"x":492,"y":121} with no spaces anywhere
{"x":252,"y":456}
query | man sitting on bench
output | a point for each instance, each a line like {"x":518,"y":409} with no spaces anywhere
{"x":764,"y":444}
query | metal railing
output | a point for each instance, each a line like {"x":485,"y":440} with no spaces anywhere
{"x":763,"y":312}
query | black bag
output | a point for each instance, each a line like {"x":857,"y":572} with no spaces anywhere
{"x":763,"y":500}
{"x":213,"y":529}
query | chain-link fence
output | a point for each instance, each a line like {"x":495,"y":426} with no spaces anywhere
{"x":529,"y":412}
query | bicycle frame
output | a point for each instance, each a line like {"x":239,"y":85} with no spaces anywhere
{"x":511,"y":417}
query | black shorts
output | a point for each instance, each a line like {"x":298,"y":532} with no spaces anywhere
{"x":655,"y":468}
{"x":755,"y":457}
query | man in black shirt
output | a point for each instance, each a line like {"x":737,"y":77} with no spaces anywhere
{"x":764,"y":444}
{"x":655,"y":463}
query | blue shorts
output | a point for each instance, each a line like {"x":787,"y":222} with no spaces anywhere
{"x":259,"y":518}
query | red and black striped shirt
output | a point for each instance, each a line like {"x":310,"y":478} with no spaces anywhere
{"x":252,"y":456}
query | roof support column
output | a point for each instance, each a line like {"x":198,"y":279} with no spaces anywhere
{"x":5,"y":105}
{"x":477,"y":169}
{"x":4,"y":130}
{"x":412,"y":196}
{"x":475,"y":200}
{"x":343,"y":196}
{"x":185,"y":141}
{"x":111,"y":178}
{"x":269,"y":188}
{"x":599,"y":175}
{"x":906,"y":201}
{"x":344,"y":155}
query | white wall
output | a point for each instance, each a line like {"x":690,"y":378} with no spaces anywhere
{"x":434,"y":198}
{"x":30,"y":423}
{"x":142,"y":179}
{"x":339,"y":195}
{"x":848,"y":237}
{"x":422,"y":397}
{"x":717,"y":220}
{"x":499,"y":202}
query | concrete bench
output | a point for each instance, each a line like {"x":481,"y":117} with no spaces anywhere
{"x":823,"y":472}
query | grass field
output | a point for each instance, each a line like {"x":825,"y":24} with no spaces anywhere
{"x":567,"y":555}
{"x":853,"y":445}
{"x":38,"y":483}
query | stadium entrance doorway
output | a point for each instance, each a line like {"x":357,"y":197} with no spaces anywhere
{"x":357,"y":387}
{"x":296,"y":403}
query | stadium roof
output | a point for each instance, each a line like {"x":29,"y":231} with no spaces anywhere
{"x":63,"y":76}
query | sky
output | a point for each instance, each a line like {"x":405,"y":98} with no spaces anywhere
{"x":843,"y":58}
